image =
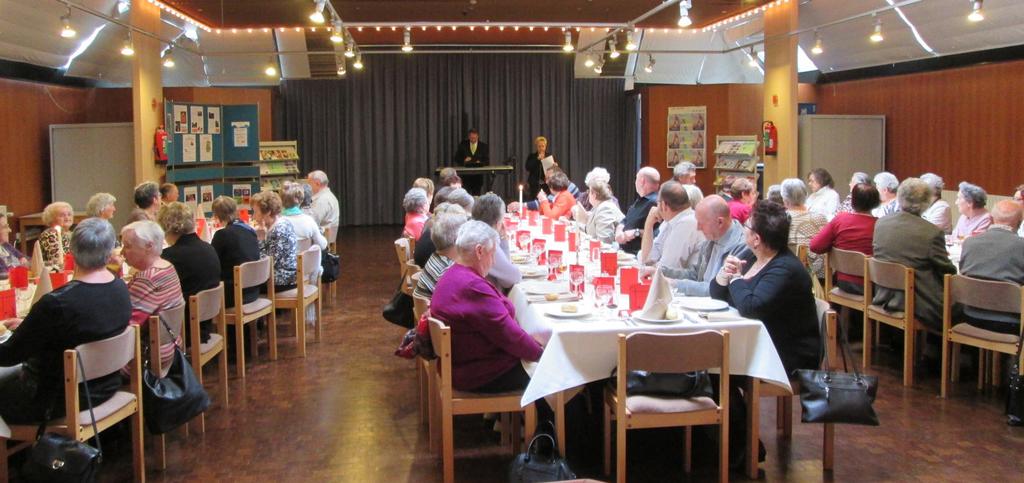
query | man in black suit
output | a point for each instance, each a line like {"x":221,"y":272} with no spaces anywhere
{"x":472,"y":153}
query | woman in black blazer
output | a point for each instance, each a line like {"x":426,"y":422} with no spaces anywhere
{"x":773,"y":287}
{"x":534,"y":167}
{"x":235,"y":244}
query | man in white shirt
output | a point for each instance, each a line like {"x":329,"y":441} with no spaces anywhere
{"x":325,"y":206}
{"x":678,"y":237}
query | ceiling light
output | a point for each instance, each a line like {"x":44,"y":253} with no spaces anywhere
{"x":341,"y":67}
{"x":817,"y":50}
{"x":270,"y":70}
{"x":650,"y":64}
{"x":876,"y":36}
{"x":613,"y":54}
{"x":630,"y":44}
{"x":568,"y":42}
{"x":976,"y":14}
{"x":318,"y":15}
{"x":589,"y":62}
{"x":169,"y":59}
{"x":358,"y":64}
{"x":66,"y":30}
{"x":599,"y":67}
{"x":337,"y":34}
{"x":407,"y":43}
{"x":127,"y":49}
{"x":349,"y":50}
{"x":684,"y":13}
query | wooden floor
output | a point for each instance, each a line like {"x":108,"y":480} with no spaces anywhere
{"x":348,"y":412}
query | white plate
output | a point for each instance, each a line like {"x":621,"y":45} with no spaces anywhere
{"x":555,"y":310}
{"x":702,"y":304}
{"x":636,"y":316}
{"x":544,"y":288}
{"x":626,"y":256}
{"x":530,"y":271}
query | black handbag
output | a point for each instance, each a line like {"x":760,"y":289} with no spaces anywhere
{"x":537,"y":466}
{"x":398,"y":310}
{"x":1015,"y":394}
{"x":838,"y":397}
{"x":172,"y":400}
{"x":331,"y":265}
{"x":672,"y":385}
{"x":56,"y":458}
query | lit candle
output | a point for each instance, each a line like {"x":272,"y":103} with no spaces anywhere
{"x":520,"y":201}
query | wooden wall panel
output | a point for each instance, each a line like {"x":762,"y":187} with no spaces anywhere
{"x":962,"y":124}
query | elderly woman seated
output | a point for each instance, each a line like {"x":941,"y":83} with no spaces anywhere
{"x":490,"y":209}
{"x":55,"y":241}
{"x":425,"y":246}
{"x":488,"y":346}
{"x":93,"y":306}
{"x":147,"y":202}
{"x":822,"y":198}
{"x":277,"y":238}
{"x":306,"y":228}
{"x":857,"y":178}
{"x":852,"y":231}
{"x":804,"y":223}
{"x":558,"y":183}
{"x":773,"y":287}
{"x":974,"y":218}
{"x":605,"y":215}
{"x":155,"y":285}
{"x":908,"y":239}
{"x":596,"y":175}
{"x":427,"y":185}
{"x":101,"y":205}
{"x":195,"y":260}
{"x":235,"y":244}
{"x":886,"y":183}
{"x":10,"y":257}
{"x":417,"y":206}
{"x":939,"y":213}
{"x":443,"y":234}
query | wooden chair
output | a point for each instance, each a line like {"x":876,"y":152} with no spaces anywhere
{"x":158,"y":336}
{"x":99,"y":359}
{"x":980,"y":294}
{"x":209,"y":305}
{"x":757,"y":389}
{"x":402,"y":249}
{"x":252,"y":274}
{"x":304,"y":244}
{"x":668,"y":353}
{"x":802,"y":251}
{"x":851,"y":263}
{"x":453,"y":402}
{"x":427,"y":387}
{"x":305,"y":293}
{"x":893,"y":276}
{"x":331,"y":233}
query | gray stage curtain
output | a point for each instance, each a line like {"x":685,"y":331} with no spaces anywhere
{"x":377,"y":130}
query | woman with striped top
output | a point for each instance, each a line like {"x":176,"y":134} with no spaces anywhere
{"x":443,"y":234}
{"x":155,"y":286}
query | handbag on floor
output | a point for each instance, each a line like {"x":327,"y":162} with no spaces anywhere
{"x":536,"y":466}
{"x":398,"y":310}
{"x":331,"y":265}
{"x":1015,"y":394}
{"x":56,"y":458}
{"x":838,"y":397}
{"x":172,"y":400}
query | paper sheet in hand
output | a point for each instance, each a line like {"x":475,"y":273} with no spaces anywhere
{"x":548,"y":162}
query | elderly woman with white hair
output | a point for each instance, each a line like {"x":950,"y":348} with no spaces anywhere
{"x":155,"y":287}
{"x":94,"y":306}
{"x":417,"y":207}
{"x":443,"y":234}
{"x":490,"y":209}
{"x":886,"y":183}
{"x":908,"y":239}
{"x":601,"y":221}
{"x":55,"y":241}
{"x":939,"y":213}
{"x":305,"y":227}
{"x":488,"y":344}
{"x":101,"y":205}
{"x":974,"y":218}
{"x":804,"y":223}
{"x":425,"y":246}
{"x":857,"y":178}
{"x":822,"y":197}
{"x":596,"y":175}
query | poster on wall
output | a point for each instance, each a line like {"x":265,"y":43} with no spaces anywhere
{"x":242,"y":193}
{"x":191,"y":197}
{"x":241,"y":133}
{"x":205,"y":147}
{"x":197,"y":119}
{"x":180,"y":118}
{"x":686,"y":138}
{"x":213,"y":120}
{"x":206,"y":197}
{"x":188,"y":148}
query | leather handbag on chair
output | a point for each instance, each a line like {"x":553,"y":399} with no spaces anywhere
{"x":172,"y":400}
{"x":398,"y":310}
{"x":838,"y":397}
{"x":56,"y":458}
{"x":537,"y":466}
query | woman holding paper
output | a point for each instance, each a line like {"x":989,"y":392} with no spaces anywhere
{"x":55,"y":241}
{"x":535,"y":165}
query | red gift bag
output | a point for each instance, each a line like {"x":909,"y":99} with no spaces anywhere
{"x":638,"y":295}
{"x":58,"y":279}
{"x":19,"y":277}
{"x":69,"y":262}
{"x":8,"y":304}
{"x":609,"y":263}
{"x":523,"y":239}
{"x":545,"y":226}
{"x":573,"y":242}
{"x":554,"y":263}
{"x":559,"y":232}
{"x":627,"y":278}
{"x":537,"y":250}
{"x":577,"y":279}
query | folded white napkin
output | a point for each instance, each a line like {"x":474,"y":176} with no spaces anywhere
{"x":658,"y":298}
{"x":43,"y":287}
{"x":36,"y":265}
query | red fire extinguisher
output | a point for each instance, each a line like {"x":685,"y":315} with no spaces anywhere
{"x":770,"y":138}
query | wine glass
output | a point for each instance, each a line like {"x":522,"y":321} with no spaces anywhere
{"x":603,"y":296}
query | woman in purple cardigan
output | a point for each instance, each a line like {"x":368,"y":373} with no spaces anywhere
{"x":487,"y":343}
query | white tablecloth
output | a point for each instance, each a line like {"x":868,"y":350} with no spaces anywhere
{"x":582,"y":351}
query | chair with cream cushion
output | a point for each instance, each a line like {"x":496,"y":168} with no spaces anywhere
{"x":668,"y":353}
{"x":209,"y":305}
{"x":252,"y":274}
{"x":305,"y":293}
